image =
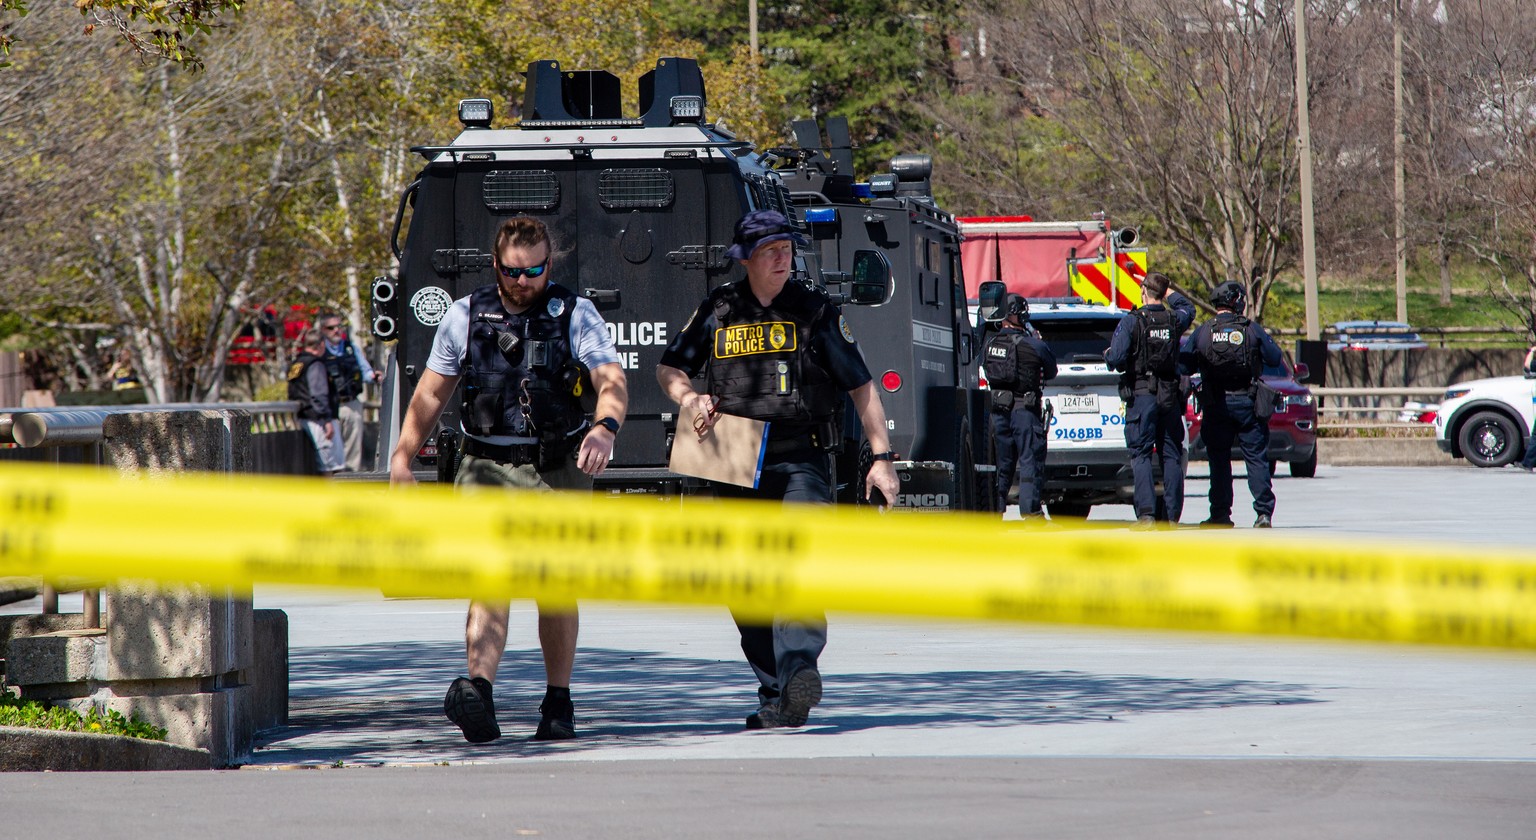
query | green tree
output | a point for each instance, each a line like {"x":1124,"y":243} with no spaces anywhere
{"x":158,"y":28}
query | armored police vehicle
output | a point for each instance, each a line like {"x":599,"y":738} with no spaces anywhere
{"x":642,"y":210}
{"x":917,"y":338}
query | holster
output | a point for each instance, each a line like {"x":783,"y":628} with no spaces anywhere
{"x":1002,"y":401}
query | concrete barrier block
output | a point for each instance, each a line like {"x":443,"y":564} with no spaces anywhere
{"x":169,"y":442}
{"x":36,"y":750}
{"x":218,"y":721}
{"x":68,"y":656}
{"x":268,"y":675}
{"x":177,"y":632}
{"x":21,"y":626}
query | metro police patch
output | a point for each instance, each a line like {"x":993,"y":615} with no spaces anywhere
{"x":751,"y":339}
{"x":842,"y":327}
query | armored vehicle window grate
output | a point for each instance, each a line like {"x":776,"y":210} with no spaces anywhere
{"x":624,"y":189}
{"x":535,"y":189}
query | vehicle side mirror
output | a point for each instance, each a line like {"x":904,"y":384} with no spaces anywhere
{"x":991,"y":294}
{"x":1302,"y":371}
{"x":871,"y":283}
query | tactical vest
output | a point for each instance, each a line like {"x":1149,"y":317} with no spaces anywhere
{"x":761,"y":365}
{"x":298,"y":385}
{"x":1155,"y":349}
{"x":1013,"y":364}
{"x":1231,"y":360}
{"x":521,"y":375}
{"x":345,"y":372}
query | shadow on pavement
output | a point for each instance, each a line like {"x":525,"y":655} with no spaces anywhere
{"x":383,"y":702}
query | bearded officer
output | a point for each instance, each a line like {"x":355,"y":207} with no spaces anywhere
{"x":520,"y":345}
{"x":795,"y":379}
{"x":1229,"y":351}
{"x":1018,"y":366}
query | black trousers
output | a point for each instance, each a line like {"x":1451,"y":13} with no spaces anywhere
{"x":778,"y":649}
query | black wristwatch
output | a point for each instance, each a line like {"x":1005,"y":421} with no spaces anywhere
{"x":608,"y":423}
{"x":884,"y":456}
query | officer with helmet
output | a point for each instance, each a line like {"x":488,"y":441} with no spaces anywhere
{"x":1145,"y":348}
{"x":1018,"y":365}
{"x":1230,"y":352}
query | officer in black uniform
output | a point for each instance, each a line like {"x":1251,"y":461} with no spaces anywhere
{"x":520,"y":346}
{"x":776,"y":349}
{"x":1145,"y":348}
{"x":1018,"y":365}
{"x":1229,"y":351}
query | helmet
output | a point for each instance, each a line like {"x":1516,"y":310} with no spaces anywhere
{"x":1229,"y":295}
{"x":1016,"y":305}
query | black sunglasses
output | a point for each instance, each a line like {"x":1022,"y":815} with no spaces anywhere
{"x":513,"y":272}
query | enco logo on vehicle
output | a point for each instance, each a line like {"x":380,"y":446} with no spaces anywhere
{"x":917,"y":500}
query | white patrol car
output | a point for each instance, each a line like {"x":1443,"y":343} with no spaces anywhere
{"x":1086,"y":459}
{"x":1487,"y":421}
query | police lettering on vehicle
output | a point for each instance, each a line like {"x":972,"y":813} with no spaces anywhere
{"x":751,"y":339}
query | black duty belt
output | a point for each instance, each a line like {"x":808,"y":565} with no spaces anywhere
{"x":516,"y":454}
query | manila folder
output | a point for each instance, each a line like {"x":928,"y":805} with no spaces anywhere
{"x":730,"y":452}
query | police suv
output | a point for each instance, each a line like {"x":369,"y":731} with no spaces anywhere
{"x":1487,"y":421}
{"x":1087,"y":461}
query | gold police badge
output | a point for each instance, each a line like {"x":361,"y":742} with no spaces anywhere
{"x":776,"y":336}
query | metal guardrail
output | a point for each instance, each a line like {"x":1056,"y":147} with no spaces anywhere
{"x":1436,"y":336}
{"x":66,"y":425}
{"x":1345,"y":409}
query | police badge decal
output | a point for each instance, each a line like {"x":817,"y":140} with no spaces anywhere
{"x":842,"y":327}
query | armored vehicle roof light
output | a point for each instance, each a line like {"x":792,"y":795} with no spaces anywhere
{"x":912,"y":167}
{"x":687,"y":109}
{"x":475,"y":113}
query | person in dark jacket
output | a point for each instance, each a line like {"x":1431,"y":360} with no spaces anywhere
{"x":1230,"y":352}
{"x":773,"y":348}
{"x":311,"y":386}
{"x":1018,"y":365}
{"x":1145,"y":348}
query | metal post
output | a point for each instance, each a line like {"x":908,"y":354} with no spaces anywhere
{"x":90,"y":607}
{"x":1399,"y":190}
{"x":1304,"y":147}
{"x":50,"y":600}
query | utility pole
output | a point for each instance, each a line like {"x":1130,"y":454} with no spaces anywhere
{"x":1304,"y":147}
{"x":1399,"y":190}
{"x":752,"y":24}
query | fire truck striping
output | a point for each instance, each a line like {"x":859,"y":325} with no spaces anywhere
{"x":83,"y":523}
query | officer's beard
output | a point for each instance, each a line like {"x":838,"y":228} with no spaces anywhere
{"x":517,"y":296}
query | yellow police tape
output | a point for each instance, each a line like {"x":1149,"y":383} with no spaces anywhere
{"x":760,"y":558}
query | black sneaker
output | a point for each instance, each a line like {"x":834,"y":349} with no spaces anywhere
{"x":1213,"y":522}
{"x":766,"y":717}
{"x":469,"y":705}
{"x":802,"y":692}
{"x":557,"y":721}
{"x":1262,"y":521}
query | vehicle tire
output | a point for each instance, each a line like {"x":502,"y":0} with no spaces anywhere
{"x":1079,"y":510}
{"x":1489,"y":439}
{"x":965,"y":474}
{"x":1307,"y":468}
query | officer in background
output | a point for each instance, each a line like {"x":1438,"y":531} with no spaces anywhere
{"x":315,"y":392}
{"x":1230,"y":352}
{"x":521,"y":346}
{"x":1018,"y":365}
{"x":349,"y":370}
{"x":1145,"y":348}
{"x":794,"y":378}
